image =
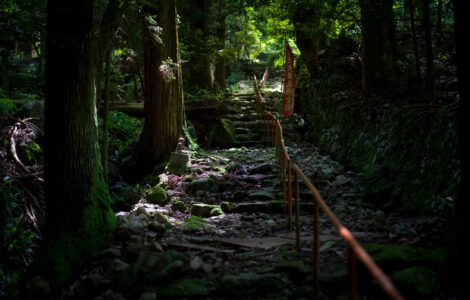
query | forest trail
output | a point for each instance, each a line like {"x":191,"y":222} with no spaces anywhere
{"x":219,"y":231}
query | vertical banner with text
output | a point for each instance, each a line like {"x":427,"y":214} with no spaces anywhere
{"x":289,"y":83}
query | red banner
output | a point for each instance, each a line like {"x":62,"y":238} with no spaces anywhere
{"x":289,"y":83}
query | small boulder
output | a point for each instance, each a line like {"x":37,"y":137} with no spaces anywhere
{"x":157,"y":195}
{"x":201,"y":184}
{"x":418,"y":283}
{"x":179,"y":205}
{"x":203,"y":210}
{"x":226,"y":207}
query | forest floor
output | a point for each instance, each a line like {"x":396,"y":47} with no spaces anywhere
{"x":220,"y":232}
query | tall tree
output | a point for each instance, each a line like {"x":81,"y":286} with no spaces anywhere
{"x":458,"y":260}
{"x":411,"y":11}
{"x":306,"y":22}
{"x":163,"y":91}
{"x":221,"y":36}
{"x":78,"y":215}
{"x":378,"y":44}
{"x":200,"y":45}
{"x":430,"y":77}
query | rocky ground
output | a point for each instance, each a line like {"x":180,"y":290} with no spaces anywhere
{"x":219,"y":231}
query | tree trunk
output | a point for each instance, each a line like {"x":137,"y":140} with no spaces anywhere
{"x":307,"y":36}
{"x":220,"y":64}
{"x":200,"y":60}
{"x":411,"y":9}
{"x":457,"y":259}
{"x":439,"y":18}
{"x":378,"y":46}
{"x":134,"y":80}
{"x":430,"y":78}
{"x":104,"y":156}
{"x":5,"y":77}
{"x":78,"y":215}
{"x":163,"y":93}
{"x":105,"y":34}
{"x":41,"y":54}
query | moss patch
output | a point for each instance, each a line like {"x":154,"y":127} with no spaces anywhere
{"x":222,"y":134}
{"x":418,"y":282}
{"x":157,"y":195}
{"x":194,"y":222}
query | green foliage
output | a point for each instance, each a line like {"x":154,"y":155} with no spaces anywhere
{"x":34,"y":153}
{"x":408,"y":155}
{"x":123,"y":130}
{"x":16,"y":243}
{"x":6,"y":105}
{"x":123,"y":198}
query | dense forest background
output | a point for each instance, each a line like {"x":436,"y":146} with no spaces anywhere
{"x":377,"y":90}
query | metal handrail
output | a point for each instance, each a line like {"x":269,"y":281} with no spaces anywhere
{"x":273,"y":129}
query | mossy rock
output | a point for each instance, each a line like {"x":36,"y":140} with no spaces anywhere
{"x":296,"y":270}
{"x":226,"y":207}
{"x":201,"y":184}
{"x":333,"y":276}
{"x":247,"y":284}
{"x":157,"y":195}
{"x":391,"y":257}
{"x":396,"y":257}
{"x":276,"y":206}
{"x":184,"y":288}
{"x":162,"y":219}
{"x":222,"y":134}
{"x":178,"y":205}
{"x":195,"y":222}
{"x":418,"y":282}
{"x":216,"y":211}
{"x":203,"y":210}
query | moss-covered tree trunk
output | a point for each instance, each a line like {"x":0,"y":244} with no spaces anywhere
{"x":107,"y":86}
{"x":163,"y":93}
{"x":78,"y":215}
{"x":378,"y":44}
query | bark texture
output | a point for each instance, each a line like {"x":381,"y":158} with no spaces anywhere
{"x":163,"y":94}
{"x":221,"y":35}
{"x":307,"y":37}
{"x":430,"y":77}
{"x":78,"y":216}
{"x":378,"y":44}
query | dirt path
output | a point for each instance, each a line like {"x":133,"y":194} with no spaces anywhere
{"x":220,"y":231}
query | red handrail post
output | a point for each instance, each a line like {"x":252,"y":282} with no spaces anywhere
{"x":316,"y":245}
{"x":289,"y":179}
{"x":352,"y":273}
{"x":297,"y":212}
{"x":283,"y":172}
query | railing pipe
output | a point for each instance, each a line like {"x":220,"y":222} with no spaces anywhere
{"x":297,"y":212}
{"x":316,"y":245}
{"x":355,"y":250}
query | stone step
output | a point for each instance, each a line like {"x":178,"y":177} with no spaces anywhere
{"x":242,"y":117}
{"x":251,"y":143}
{"x":247,"y":124}
{"x":272,"y":206}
